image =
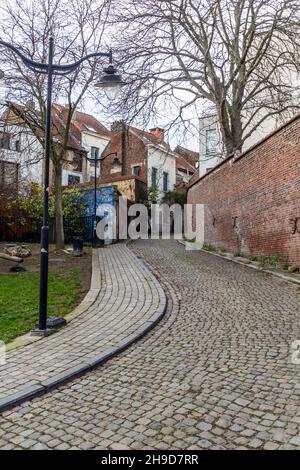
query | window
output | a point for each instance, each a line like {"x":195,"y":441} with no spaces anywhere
{"x":94,"y":156}
{"x":18,"y":145}
{"x":154,"y":177}
{"x":77,"y":162}
{"x":211,"y":141}
{"x":136,"y":170}
{"x":72,"y":180}
{"x":165,"y":181}
{"x":4,"y":140}
{"x":8,"y":174}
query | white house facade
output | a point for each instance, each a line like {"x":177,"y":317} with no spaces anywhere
{"x":94,"y":145}
{"x":19,"y":145}
{"x":161,"y":169}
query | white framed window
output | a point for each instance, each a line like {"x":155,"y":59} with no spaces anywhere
{"x":4,"y":140}
{"x":94,"y":155}
{"x":136,"y":170}
{"x":73,"y":180}
{"x":211,"y":141}
{"x":165,"y":181}
{"x":154,"y":177}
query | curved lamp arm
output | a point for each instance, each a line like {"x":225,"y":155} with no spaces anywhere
{"x":72,"y":67}
{"x":56,"y":69}
{"x":26,"y":60}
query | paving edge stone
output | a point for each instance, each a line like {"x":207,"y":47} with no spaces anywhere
{"x":35,"y":391}
{"x":248,"y":265}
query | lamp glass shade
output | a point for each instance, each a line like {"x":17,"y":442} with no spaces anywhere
{"x":111,"y":82}
{"x":112,"y":91}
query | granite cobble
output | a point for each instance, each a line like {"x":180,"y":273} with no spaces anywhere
{"x":128,"y":297}
{"x":215,"y":373}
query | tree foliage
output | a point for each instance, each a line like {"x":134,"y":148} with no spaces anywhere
{"x":77,"y":27}
{"x":178,"y":196}
{"x":30,"y":205}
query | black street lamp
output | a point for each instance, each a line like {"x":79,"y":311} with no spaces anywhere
{"x":95,"y":161}
{"x":111,"y":83}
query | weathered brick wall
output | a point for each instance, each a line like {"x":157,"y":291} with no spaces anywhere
{"x":129,"y":149}
{"x":132,"y":187}
{"x":253,"y":202}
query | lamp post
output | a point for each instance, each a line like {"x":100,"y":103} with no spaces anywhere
{"x":111,"y":82}
{"x":95,"y":161}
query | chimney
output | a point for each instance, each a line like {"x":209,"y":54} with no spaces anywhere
{"x":158,"y":132}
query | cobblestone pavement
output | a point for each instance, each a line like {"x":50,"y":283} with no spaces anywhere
{"x":215,"y":373}
{"x":128,"y":296}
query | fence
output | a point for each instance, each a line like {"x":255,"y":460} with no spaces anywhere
{"x":26,"y":230}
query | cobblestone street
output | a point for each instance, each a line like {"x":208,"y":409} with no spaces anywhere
{"x":215,"y":373}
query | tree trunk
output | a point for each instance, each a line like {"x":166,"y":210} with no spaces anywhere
{"x":236,"y":128}
{"x":59,"y":223}
{"x":231,"y":128}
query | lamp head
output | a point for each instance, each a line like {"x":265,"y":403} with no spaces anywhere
{"x":110,"y":81}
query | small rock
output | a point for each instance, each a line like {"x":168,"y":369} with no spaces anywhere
{"x":204,"y":426}
{"x":17,"y":250}
{"x":223,"y":423}
{"x":205,"y":444}
{"x":271,"y":446}
{"x":155,"y":425}
{"x":293,"y":269}
{"x":295,"y":441}
{"x":255,"y":443}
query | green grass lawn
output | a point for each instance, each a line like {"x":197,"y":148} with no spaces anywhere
{"x":19,"y":299}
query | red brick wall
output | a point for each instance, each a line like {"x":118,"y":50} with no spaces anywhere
{"x":129,"y":149}
{"x":250,"y":201}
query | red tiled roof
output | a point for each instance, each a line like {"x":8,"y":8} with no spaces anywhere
{"x":181,"y":163}
{"x":190,"y":155}
{"x":150,"y":137}
{"x":82,"y":122}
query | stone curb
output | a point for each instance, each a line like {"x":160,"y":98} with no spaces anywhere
{"x":74,"y":372}
{"x":248,"y":265}
{"x":84,"y":305}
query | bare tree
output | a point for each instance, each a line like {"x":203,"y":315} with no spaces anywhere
{"x":77,"y":27}
{"x":236,"y":57}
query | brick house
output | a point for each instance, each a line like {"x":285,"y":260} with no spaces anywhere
{"x":145,"y":155}
{"x":88,"y":138}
